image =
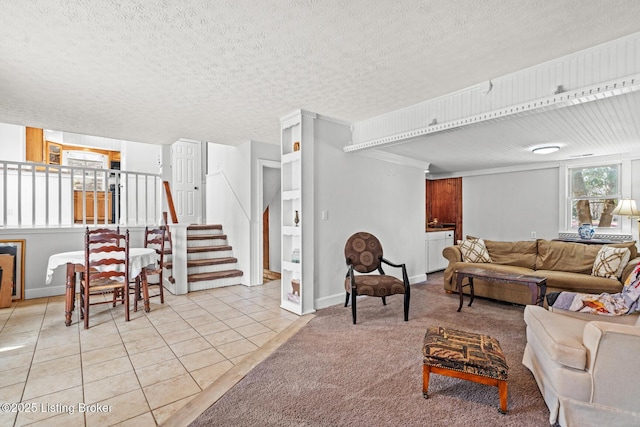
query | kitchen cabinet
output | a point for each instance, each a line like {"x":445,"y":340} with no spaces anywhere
{"x":35,"y":145}
{"x":90,"y":208}
{"x":54,"y":153}
{"x":434,"y":244}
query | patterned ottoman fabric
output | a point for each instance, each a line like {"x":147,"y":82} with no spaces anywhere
{"x":464,"y":352}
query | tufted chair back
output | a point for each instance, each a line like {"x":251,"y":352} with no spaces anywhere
{"x":363,"y":251}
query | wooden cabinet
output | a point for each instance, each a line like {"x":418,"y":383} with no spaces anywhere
{"x":54,"y":153}
{"x":35,"y":145}
{"x":90,"y":206}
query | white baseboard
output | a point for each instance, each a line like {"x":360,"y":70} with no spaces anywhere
{"x":417,"y":279}
{"x":331,"y":300}
{"x":339,"y":298}
{"x":44,"y":292}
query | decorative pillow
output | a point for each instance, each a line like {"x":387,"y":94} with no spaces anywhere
{"x":610,"y":262}
{"x":474,"y":250}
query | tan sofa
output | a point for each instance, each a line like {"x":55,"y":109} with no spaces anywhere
{"x":585,"y":366}
{"x":567,"y":267}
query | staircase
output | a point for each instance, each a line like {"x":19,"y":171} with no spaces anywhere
{"x":210,"y":261}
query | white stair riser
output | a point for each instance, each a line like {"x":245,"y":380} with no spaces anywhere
{"x":212,"y":284}
{"x":204,"y":232}
{"x":212,"y":268}
{"x":208,"y":242}
{"x":209,"y":255}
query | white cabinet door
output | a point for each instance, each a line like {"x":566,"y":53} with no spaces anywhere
{"x":448,"y":238}
{"x":435,"y":242}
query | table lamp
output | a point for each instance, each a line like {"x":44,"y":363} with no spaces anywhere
{"x":628,"y":208}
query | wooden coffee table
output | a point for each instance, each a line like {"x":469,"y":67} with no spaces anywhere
{"x":537,"y":284}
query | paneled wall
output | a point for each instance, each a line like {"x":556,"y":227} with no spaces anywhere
{"x":443,"y":200}
{"x":612,"y":64}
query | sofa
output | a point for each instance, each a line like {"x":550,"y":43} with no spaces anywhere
{"x":567,"y":266}
{"x":585,"y":365}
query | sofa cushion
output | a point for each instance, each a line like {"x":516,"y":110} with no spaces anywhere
{"x":493,"y":267}
{"x":584,"y":283}
{"x":560,"y":336}
{"x":610,"y":262}
{"x":629,"y":245}
{"x":565,"y":256}
{"x":474,"y":250}
{"x":520,"y":254}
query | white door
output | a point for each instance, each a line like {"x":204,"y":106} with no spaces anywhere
{"x":187,"y":179}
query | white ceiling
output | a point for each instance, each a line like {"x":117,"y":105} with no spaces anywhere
{"x":226,"y":71}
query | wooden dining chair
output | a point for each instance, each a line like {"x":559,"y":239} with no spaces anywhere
{"x":153,"y":239}
{"x":106,"y":271}
{"x":95,"y":233}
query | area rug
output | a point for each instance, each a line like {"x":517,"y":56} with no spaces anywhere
{"x":335,"y":373}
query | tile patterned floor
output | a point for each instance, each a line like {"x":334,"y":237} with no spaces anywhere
{"x":128,"y":373}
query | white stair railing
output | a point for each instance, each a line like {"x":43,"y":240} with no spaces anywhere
{"x":37,"y":195}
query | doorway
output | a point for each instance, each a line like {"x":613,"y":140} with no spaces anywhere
{"x":271,"y":220}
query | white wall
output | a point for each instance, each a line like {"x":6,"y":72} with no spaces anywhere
{"x":235,"y":163}
{"x":511,"y":205}
{"x":12,"y":142}
{"x":232,"y":188}
{"x":140,"y":157}
{"x":362,"y":194}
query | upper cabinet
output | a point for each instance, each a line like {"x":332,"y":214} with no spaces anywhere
{"x":54,"y":153}
{"x":35,"y":145}
{"x":39,"y":150}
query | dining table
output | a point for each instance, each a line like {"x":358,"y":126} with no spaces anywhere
{"x":139,"y":258}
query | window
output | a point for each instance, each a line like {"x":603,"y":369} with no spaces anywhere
{"x":593,"y":195}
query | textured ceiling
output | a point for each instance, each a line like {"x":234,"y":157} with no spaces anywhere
{"x":225,"y":71}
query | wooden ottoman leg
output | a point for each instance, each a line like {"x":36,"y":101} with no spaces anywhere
{"x":426,"y":370}
{"x":502,"y":390}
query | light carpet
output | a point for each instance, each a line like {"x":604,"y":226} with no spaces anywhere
{"x":334,"y":373}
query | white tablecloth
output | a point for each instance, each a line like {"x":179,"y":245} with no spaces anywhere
{"x":138,"y":259}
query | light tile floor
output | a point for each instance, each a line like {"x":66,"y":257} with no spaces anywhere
{"x":128,"y":373}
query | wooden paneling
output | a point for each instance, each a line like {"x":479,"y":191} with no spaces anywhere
{"x":594,"y":66}
{"x":265,"y":239}
{"x":444,"y":201}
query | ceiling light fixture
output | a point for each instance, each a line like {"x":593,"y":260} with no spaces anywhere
{"x":545,"y":150}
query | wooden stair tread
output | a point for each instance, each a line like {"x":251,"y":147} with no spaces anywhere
{"x":205,"y":262}
{"x":207,"y":236}
{"x":204,"y":227}
{"x":198,"y":277}
{"x":196,"y":249}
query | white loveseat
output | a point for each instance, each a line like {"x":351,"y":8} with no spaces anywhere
{"x":586,"y":366}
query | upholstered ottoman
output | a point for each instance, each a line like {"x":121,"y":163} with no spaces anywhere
{"x":467,"y":356}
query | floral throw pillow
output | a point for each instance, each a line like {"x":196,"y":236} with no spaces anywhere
{"x":610,"y":262}
{"x":474,"y":250}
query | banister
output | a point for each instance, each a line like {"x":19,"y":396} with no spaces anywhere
{"x":38,"y":195}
